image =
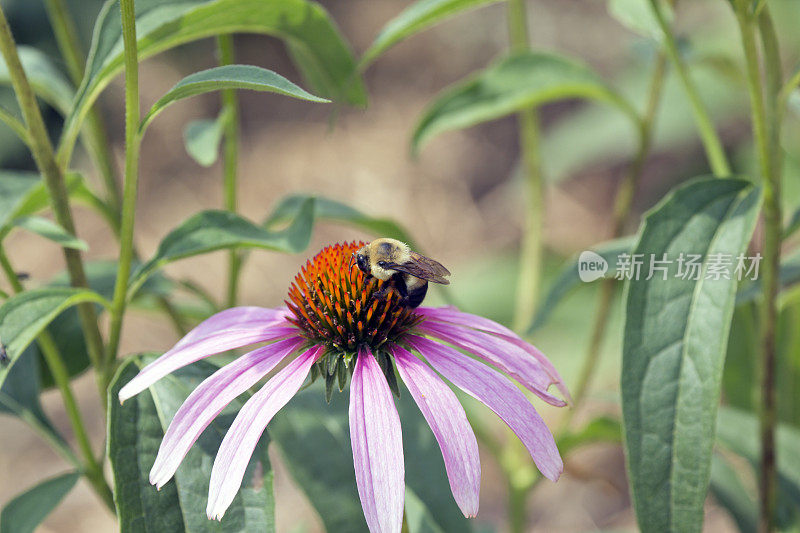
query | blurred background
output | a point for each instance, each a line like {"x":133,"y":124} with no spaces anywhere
{"x":460,"y":200}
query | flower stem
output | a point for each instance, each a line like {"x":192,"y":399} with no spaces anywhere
{"x":69,"y":44}
{"x":622,"y":210}
{"x":132,"y":141}
{"x":766,"y":112}
{"x":43,"y":155}
{"x":230,"y":113}
{"x":711,"y":143}
{"x":531,"y":252}
{"x":50,"y":352}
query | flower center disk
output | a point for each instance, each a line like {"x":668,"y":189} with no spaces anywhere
{"x":334,"y":304}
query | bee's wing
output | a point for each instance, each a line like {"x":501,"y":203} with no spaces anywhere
{"x":425,"y":268}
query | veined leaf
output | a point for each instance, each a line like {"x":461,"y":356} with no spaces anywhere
{"x":676,"y":331}
{"x":227,"y":77}
{"x":50,"y":230}
{"x":25,"y":315}
{"x":314,"y":441}
{"x":518,"y":81}
{"x":201,"y":139}
{"x":569,"y":277}
{"x":327,"y":209}
{"x":789,"y":275}
{"x":47,"y":81}
{"x":135,"y":430}
{"x":214,"y":230}
{"x":417,"y":17}
{"x":25,"y":512}
{"x":312,"y":38}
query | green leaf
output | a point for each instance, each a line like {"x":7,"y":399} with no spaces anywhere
{"x":568,"y":279}
{"x":25,"y":315}
{"x":518,"y":81}
{"x":738,"y":431}
{"x":19,"y":396}
{"x":729,"y":492}
{"x":417,"y":17}
{"x":135,"y":430}
{"x":47,"y":81}
{"x":313,"y":40}
{"x":601,"y":429}
{"x":638,"y":16}
{"x":208,"y":231}
{"x":15,"y":189}
{"x":24,"y":193}
{"x":50,"y":230}
{"x":25,"y":512}
{"x":227,"y":77}
{"x":676,"y":331}
{"x":417,"y":517}
{"x":326,"y":209}
{"x":201,"y":139}
{"x":66,"y":328}
{"x":738,"y":386}
{"x":314,"y":441}
{"x":789,"y":275}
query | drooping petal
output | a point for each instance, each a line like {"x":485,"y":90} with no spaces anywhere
{"x":219,"y":341}
{"x":235,"y":317}
{"x":509,"y":358}
{"x":242,"y":437}
{"x":449,"y":424}
{"x":211,"y":397}
{"x":500,"y":395}
{"x":377,"y":446}
{"x":452,"y":315}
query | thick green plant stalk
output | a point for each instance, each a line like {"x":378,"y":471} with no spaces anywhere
{"x":622,"y":210}
{"x":52,"y":356}
{"x":132,"y":144}
{"x":711,"y":142}
{"x":765,"y":104}
{"x":531,"y":252}
{"x":230,"y":157}
{"x":44,"y":157}
{"x":70,"y":47}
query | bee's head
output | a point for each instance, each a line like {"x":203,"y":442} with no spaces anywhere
{"x":362,"y":259}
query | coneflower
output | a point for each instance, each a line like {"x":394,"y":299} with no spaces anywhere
{"x":333,"y":326}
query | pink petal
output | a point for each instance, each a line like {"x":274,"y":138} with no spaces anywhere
{"x":213,"y":343}
{"x":242,"y":437}
{"x":377,"y":446}
{"x":452,"y":315}
{"x":235,"y":317}
{"x":500,"y":395}
{"x":211,"y":397}
{"x":449,"y":424}
{"x":495,"y":350}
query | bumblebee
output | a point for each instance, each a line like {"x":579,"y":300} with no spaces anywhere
{"x":406,"y":271}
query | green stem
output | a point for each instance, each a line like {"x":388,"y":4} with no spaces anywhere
{"x":230,"y":112}
{"x":50,"y":352}
{"x":711,"y":143}
{"x":622,"y":210}
{"x":42,"y":152}
{"x":532,"y":247}
{"x":69,"y":44}
{"x":766,"y":112}
{"x":132,"y":141}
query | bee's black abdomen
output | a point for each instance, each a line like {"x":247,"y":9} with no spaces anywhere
{"x":416,"y":295}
